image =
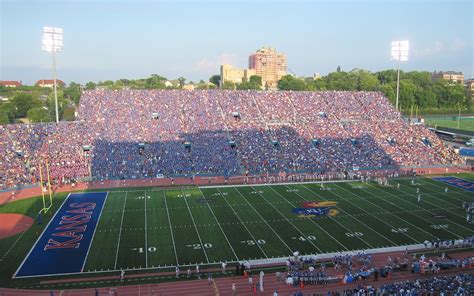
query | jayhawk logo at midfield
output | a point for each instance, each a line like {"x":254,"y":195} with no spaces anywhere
{"x":312,"y":209}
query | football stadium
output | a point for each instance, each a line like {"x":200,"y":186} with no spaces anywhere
{"x":249,"y":185}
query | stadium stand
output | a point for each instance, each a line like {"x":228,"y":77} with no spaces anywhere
{"x":144,"y":133}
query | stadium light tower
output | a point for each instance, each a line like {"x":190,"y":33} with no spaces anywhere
{"x":399,"y":54}
{"x":53,"y":42}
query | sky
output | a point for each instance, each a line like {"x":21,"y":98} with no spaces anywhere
{"x":109,"y":40}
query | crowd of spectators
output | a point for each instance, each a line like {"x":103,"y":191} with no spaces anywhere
{"x":147,"y":133}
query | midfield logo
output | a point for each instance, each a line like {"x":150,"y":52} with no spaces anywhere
{"x":313,"y":209}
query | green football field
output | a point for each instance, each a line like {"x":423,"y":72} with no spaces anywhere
{"x":467,"y":125}
{"x":155,"y":228}
{"x":152,"y":228}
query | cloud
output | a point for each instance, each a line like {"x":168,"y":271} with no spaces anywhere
{"x":440,"y":47}
{"x":458,"y":44}
{"x":210,"y":65}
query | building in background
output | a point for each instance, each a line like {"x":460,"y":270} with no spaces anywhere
{"x":10,"y":83}
{"x":452,"y":76}
{"x":49,"y":83}
{"x":235,"y":75}
{"x":269,"y":65}
{"x":470,"y":87}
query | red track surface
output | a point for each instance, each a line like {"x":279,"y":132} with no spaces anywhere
{"x":11,"y":224}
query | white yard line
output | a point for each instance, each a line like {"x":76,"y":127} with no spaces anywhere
{"x":404,"y":211}
{"x":441,"y":208}
{"x":146,"y":234}
{"x":335,"y":220}
{"x":218,"y":224}
{"x":294,"y":226}
{"x":263,"y":219}
{"x":195,"y":227}
{"x":243,"y":224}
{"x":95,"y":229}
{"x":429,"y":222}
{"x":461,"y":192}
{"x":171,"y":229}
{"x":120,"y":233}
{"x":314,"y":222}
{"x":374,"y":217}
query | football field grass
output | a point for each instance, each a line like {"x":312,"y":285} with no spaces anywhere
{"x":153,"y":228}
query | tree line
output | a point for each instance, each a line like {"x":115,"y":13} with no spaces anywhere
{"x":417,"y":90}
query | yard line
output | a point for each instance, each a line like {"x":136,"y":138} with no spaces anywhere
{"x":294,"y":226}
{"x":171,"y":228}
{"x":314,"y":222}
{"x":441,"y":208}
{"x":335,"y":220}
{"x":450,"y":194}
{"x":430,"y":222}
{"x":195,"y":227}
{"x":120,"y":233}
{"x":241,"y":222}
{"x":95,"y":229}
{"x":403,"y":211}
{"x":218,"y":224}
{"x":374,"y":216}
{"x":462,"y":192}
{"x":263,"y":219}
{"x":146,"y":235}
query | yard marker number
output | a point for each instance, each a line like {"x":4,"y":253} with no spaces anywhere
{"x":354,"y":234}
{"x":198,"y":246}
{"x":439,"y":226}
{"x":400,"y":230}
{"x":140,"y":250}
{"x":303,"y":239}
{"x":252,"y":242}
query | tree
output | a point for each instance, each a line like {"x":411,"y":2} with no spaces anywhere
{"x":182,"y":81}
{"x":90,"y":85}
{"x":68,"y":114}
{"x":387,"y":76}
{"x":39,"y":114}
{"x":24,"y":102}
{"x":407,"y":93}
{"x":215,"y":79}
{"x":340,"y":81}
{"x":365,"y":80}
{"x":289,"y":82}
{"x":338,"y":69}
{"x":256,"y":80}
{"x":73,"y":92}
{"x":4,"y":117}
{"x":228,"y":85}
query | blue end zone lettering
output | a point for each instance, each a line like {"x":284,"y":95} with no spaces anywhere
{"x":460,"y":183}
{"x":64,"y":244}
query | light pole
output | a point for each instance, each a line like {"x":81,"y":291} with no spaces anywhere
{"x":53,"y":42}
{"x":399,"y":54}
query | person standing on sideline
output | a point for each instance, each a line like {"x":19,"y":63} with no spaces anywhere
{"x":189,"y":273}
{"x":177,"y":272}
{"x":234,"y":289}
{"x":198,"y":272}
{"x":223,"y":267}
{"x":122,"y":275}
{"x":261,"y":280}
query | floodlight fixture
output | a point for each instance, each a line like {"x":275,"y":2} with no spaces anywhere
{"x":400,"y":54}
{"x":53,"y":42}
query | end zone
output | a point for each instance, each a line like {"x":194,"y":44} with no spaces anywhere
{"x":63,"y":246}
{"x":457,"y":182}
